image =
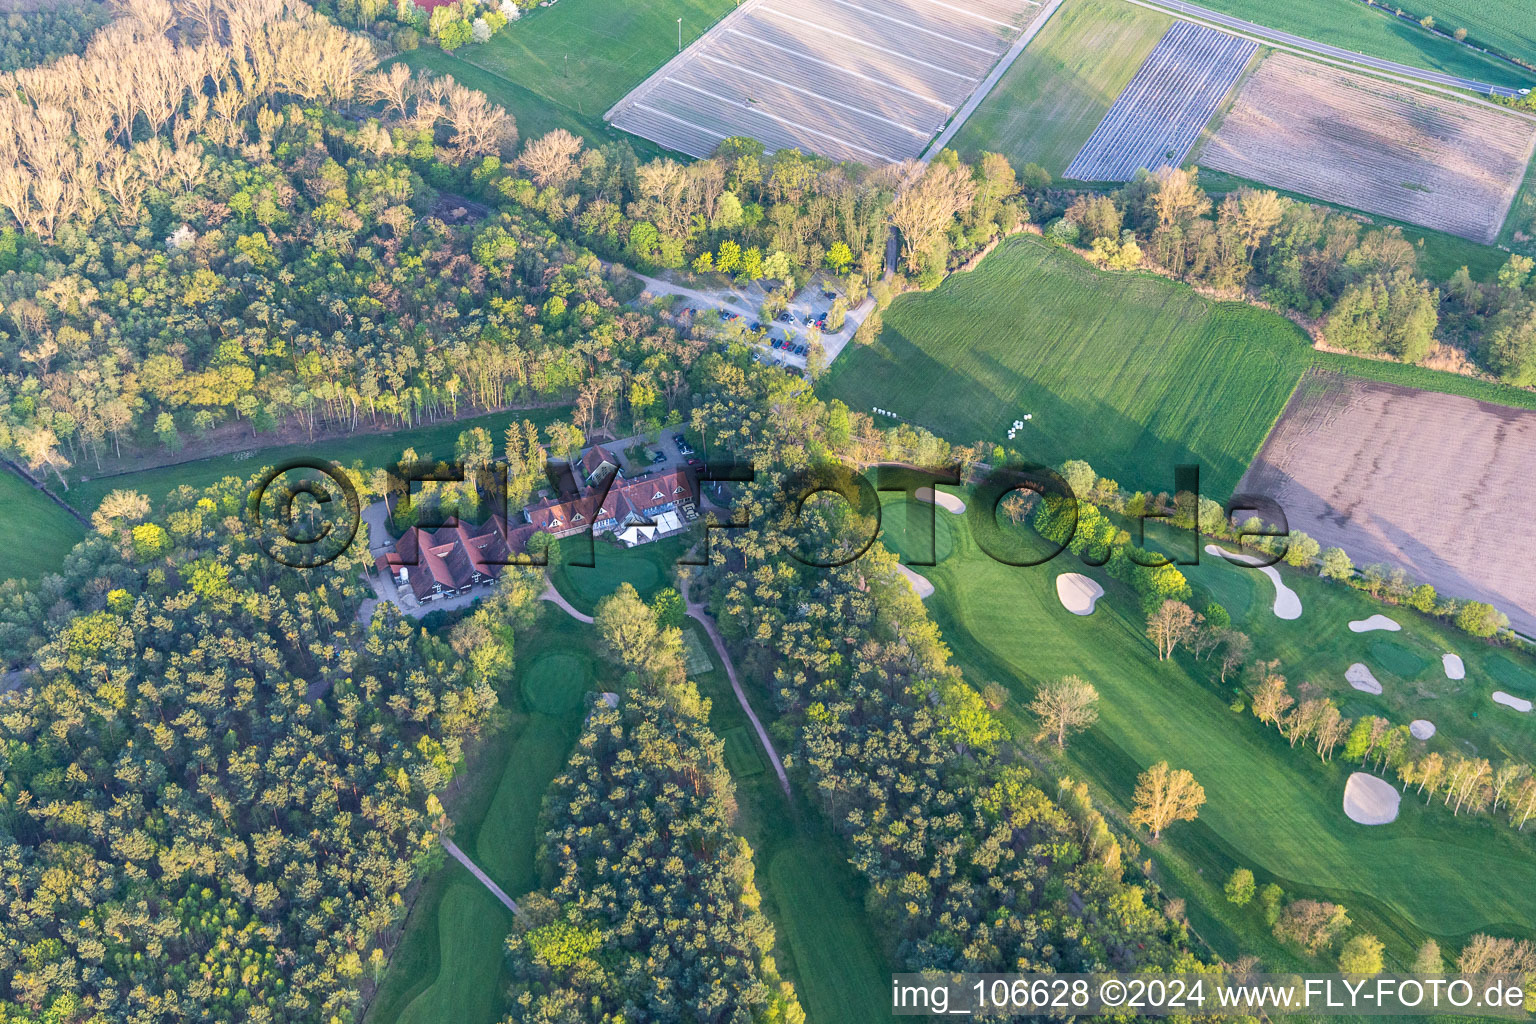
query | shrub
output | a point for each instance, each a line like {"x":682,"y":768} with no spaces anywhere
{"x":1240,"y":887}
{"x":1361,"y":955}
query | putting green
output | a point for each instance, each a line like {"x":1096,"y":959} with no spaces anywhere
{"x":1395,"y":658}
{"x":554,"y":683}
{"x":903,"y":529}
{"x":1228,"y":585}
{"x":1513,"y":678}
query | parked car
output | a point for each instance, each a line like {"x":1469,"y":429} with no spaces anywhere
{"x":695,"y":463}
{"x":691,"y":311}
{"x":756,"y":326}
{"x":828,"y":294}
{"x":786,"y":317}
{"x":724,"y":316}
{"x":659,"y":458}
{"x":800,"y":350}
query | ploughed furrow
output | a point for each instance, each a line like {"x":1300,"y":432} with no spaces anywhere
{"x":1374,"y":146}
{"x":870,"y":81}
{"x":1161,"y":112}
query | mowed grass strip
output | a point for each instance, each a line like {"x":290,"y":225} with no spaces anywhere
{"x":1056,"y":93}
{"x":447,"y":965}
{"x":1134,"y":373}
{"x":566,"y":64}
{"x":42,"y":533}
{"x":472,"y":926}
{"x":842,"y":979}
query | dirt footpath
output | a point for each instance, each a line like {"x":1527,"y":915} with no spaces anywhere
{"x":1438,"y":484}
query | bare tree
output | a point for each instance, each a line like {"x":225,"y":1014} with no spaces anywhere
{"x":1165,"y":795}
{"x":551,"y":158}
{"x":1170,"y":625}
{"x":927,"y":202}
{"x":1069,"y":704}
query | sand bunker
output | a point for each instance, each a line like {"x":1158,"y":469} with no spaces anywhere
{"x":1287,"y":603}
{"x":1361,"y":679}
{"x":1370,"y":800}
{"x":1421,"y":728}
{"x":1078,"y":593}
{"x":943,"y":500}
{"x":1374,"y":622}
{"x":920,"y":584}
{"x":1518,"y":703}
{"x":1454,"y":669}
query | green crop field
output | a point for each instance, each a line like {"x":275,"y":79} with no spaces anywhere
{"x":41,"y":532}
{"x":448,"y":963}
{"x":563,"y":66}
{"x":1134,"y":373}
{"x":435,"y":440}
{"x":1501,"y":25}
{"x":1377,"y":33}
{"x":1270,"y":808}
{"x":1057,"y":92}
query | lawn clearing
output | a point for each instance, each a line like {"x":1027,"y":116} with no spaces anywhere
{"x":1374,"y":145}
{"x":1058,"y":90}
{"x":1132,"y":372}
{"x":1346,"y":452}
{"x":646,"y":567}
{"x":42,"y":532}
{"x":564,"y":65}
{"x":1273,"y":809}
{"x":1377,"y":33}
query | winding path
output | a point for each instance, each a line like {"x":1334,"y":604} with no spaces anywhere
{"x":474,"y":869}
{"x":697,"y":613}
{"x":554,"y":597}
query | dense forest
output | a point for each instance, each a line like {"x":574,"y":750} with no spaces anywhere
{"x":250,"y":230}
{"x":218,"y":788}
{"x":32,"y":37}
{"x":652,"y":912}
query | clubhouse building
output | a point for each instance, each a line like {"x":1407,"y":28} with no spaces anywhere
{"x":454,"y":559}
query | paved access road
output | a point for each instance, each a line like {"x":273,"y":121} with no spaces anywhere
{"x":1337,"y":52}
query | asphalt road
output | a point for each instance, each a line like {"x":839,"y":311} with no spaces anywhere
{"x":1337,"y":52}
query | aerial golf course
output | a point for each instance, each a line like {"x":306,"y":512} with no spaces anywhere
{"x":1271,"y":808}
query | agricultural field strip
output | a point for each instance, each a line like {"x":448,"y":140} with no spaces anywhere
{"x":1432,"y":482}
{"x":1374,"y":146}
{"x":1189,"y":10}
{"x":843,"y":78}
{"x":1167,"y":104}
